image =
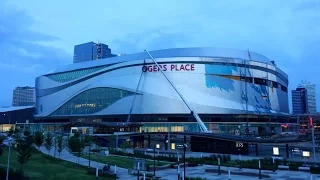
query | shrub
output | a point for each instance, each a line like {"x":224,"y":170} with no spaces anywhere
{"x":214,"y":157}
{"x":92,"y":171}
{"x":294,"y":166}
{"x":192,"y":165}
{"x":224,"y":158}
{"x":141,"y":174}
{"x":315,"y":170}
{"x":195,"y":178}
{"x":13,"y":174}
{"x":228,"y":158}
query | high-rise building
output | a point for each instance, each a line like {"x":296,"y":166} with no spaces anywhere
{"x":311,"y":96}
{"x":23,"y":96}
{"x":299,"y":101}
{"x":91,"y":51}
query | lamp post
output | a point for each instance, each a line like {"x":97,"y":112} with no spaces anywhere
{"x":313,"y":143}
{"x":9,"y":143}
{"x":178,"y":167}
{"x":138,"y":170}
{"x":154,"y":160}
{"x":89,"y":154}
{"x":184,"y":160}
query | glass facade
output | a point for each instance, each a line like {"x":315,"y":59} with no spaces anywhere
{"x":85,"y":52}
{"x":299,"y":101}
{"x":216,"y":128}
{"x":68,"y":76}
{"x":91,"y":101}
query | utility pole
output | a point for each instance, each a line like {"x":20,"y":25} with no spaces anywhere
{"x":313,"y":142}
{"x":246,"y":90}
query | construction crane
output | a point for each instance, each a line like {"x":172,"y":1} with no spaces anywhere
{"x":203,"y":127}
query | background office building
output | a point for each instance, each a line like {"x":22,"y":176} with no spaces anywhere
{"x":91,"y":51}
{"x":300,"y":101}
{"x":311,"y":96}
{"x":23,"y":96}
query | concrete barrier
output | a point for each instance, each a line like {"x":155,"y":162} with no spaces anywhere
{"x":283,"y":167}
{"x":304,"y":168}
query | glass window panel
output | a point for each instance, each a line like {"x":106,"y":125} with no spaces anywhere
{"x":68,"y":76}
{"x":91,"y":101}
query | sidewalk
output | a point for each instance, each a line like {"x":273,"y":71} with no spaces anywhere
{"x":171,"y":174}
{"x":67,"y":156}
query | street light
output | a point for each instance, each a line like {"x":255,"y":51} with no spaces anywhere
{"x":184,"y":160}
{"x":154,"y":160}
{"x":9,"y":143}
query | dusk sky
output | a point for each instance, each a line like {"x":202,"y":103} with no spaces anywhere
{"x":37,"y":36}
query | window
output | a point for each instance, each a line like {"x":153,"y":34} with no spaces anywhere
{"x":91,"y":101}
{"x":68,"y":76}
{"x":274,"y":84}
{"x":283,"y":88}
{"x":260,"y":81}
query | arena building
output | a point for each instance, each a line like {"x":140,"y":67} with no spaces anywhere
{"x":229,"y":89}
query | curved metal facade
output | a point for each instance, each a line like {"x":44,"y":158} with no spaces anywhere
{"x":212,"y":80}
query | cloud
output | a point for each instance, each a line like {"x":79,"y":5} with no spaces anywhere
{"x":22,"y":54}
{"x":285,"y":31}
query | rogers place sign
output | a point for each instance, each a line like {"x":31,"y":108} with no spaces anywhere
{"x":168,"y":67}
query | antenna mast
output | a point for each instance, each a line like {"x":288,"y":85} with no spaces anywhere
{"x":203,"y":127}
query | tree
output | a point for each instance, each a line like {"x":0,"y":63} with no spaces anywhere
{"x":48,"y":142}
{"x":24,"y":148}
{"x":125,"y":145}
{"x":111,"y":142}
{"x":61,"y":144}
{"x":16,"y":132}
{"x":10,"y":132}
{"x":76,"y":144}
{"x":1,"y":141}
{"x":38,"y":139}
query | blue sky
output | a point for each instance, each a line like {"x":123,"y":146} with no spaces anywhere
{"x":36,"y":36}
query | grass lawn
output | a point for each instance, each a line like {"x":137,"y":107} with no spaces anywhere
{"x":42,"y":167}
{"x":124,"y":162}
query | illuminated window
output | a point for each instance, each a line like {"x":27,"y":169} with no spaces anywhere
{"x":91,"y":101}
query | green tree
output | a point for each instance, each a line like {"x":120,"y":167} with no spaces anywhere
{"x":125,"y":145}
{"x":61,"y":144}
{"x":16,"y":132}
{"x":24,"y":148}
{"x":48,"y":142}
{"x":111,"y":142}
{"x":38,"y":139}
{"x":10,"y":132}
{"x":1,"y":141}
{"x":76,"y":145}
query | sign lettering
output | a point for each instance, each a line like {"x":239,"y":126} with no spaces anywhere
{"x":239,"y":144}
{"x":168,"y":67}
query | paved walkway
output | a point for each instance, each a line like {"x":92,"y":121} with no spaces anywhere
{"x":171,"y":174}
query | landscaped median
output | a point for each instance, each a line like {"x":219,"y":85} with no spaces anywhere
{"x":42,"y":166}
